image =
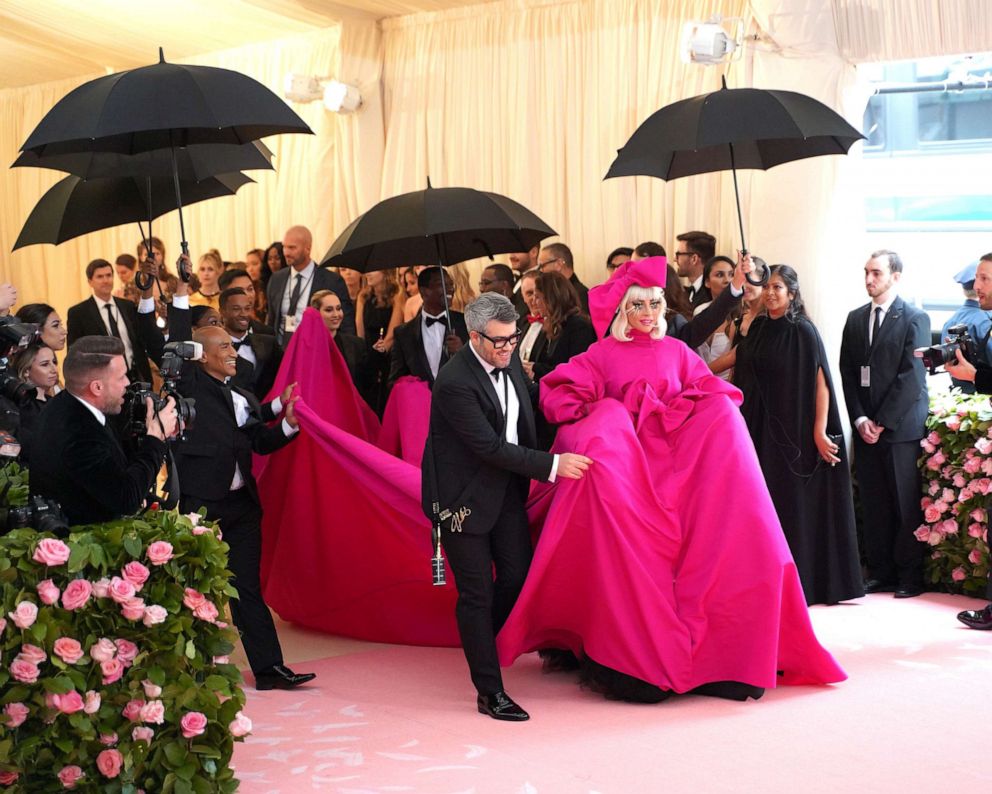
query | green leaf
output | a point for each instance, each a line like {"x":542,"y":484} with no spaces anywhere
{"x":78,"y":555}
{"x":157,"y":676}
{"x":207,"y":752}
{"x":132,"y":545}
{"x":190,"y":649}
{"x":175,"y":753}
{"x":5,"y":746}
{"x":182,"y":785}
{"x":59,"y":685}
{"x":216,"y":683}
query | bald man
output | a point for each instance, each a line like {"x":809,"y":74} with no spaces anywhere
{"x":290,"y":289}
{"x":214,"y":466}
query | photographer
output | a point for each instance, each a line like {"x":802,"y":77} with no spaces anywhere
{"x":84,"y":467}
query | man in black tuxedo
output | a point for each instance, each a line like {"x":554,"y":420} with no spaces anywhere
{"x":497,"y":278}
{"x":290,"y":289}
{"x":104,"y":315}
{"x":477,"y":467}
{"x":214,"y":465}
{"x":694,"y":250}
{"x":422,"y":345}
{"x":522,"y":263}
{"x":886,"y":393}
{"x":558,"y":257}
{"x":235,"y":277}
{"x":85,"y":469}
{"x":258,"y":354}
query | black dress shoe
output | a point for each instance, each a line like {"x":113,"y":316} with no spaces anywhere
{"x":281,"y":677}
{"x":909,"y":590}
{"x":977,"y":618}
{"x":500,"y":707}
{"x":878,"y":586}
{"x":729,"y":690}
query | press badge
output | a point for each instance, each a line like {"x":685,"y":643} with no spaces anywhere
{"x":289,"y":324}
{"x":866,"y":377}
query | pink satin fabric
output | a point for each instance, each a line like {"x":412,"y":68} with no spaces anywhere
{"x":667,"y":561}
{"x":406,"y":420}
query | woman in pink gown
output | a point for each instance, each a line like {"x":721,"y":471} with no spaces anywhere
{"x":643,"y":568}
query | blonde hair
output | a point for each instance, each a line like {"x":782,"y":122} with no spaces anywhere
{"x":621,"y":325}
{"x":464,"y":294}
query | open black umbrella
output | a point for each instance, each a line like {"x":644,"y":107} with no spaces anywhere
{"x":73,"y":207}
{"x":729,"y":129}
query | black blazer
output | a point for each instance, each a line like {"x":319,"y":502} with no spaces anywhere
{"x":576,"y":335}
{"x":897,"y":396}
{"x":84,"y":320}
{"x":322,"y":279}
{"x":582,"y":291}
{"x":84,"y":467}
{"x":698,"y":329}
{"x":702,"y":296}
{"x":467,"y":452}
{"x":408,"y":356}
{"x":354,"y":350}
{"x":258,"y":379}
{"x":206,"y":460}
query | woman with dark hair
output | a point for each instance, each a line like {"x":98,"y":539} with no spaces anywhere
{"x":34,"y":366}
{"x":566,"y":331}
{"x":791,"y":413}
{"x":274,"y":259}
{"x":647,"y":250}
{"x":53,"y":331}
{"x":678,"y":309}
{"x":717,"y":274}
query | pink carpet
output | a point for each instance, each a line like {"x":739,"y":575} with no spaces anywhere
{"x":402,"y":719}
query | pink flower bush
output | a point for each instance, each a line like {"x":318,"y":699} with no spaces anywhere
{"x":133,"y":609}
{"x":154,"y":615}
{"x":958,"y":574}
{"x":24,"y":615}
{"x":159,"y":552}
{"x":152,"y":690}
{"x":108,"y":739}
{"x":69,"y":776}
{"x":51,"y":552}
{"x":109,"y":762}
{"x":241,"y":725}
{"x":206,"y":611}
{"x":48,"y":592}
{"x":76,"y":594}
{"x":193,"y":598}
{"x":8,"y":778}
{"x":931,"y":514}
{"x":32,"y":653}
{"x":193,"y":724}
{"x":16,"y":714}
{"x":142,"y":733}
{"x":112,"y":670}
{"x":975,"y":557}
{"x":136,"y":573}
{"x":101,"y":587}
{"x":93,"y":701}
{"x":120,"y":590}
{"x":68,"y":650}
{"x":132,"y":711}
{"x":153,"y":711}
{"x":23,"y":671}
{"x":69,"y":703}
{"x":126,"y":651}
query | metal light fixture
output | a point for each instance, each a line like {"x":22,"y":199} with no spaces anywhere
{"x":708,"y":43}
{"x":302,"y":88}
{"x":341,"y":97}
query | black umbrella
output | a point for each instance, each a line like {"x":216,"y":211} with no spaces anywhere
{"x":73,"y":207}
{"x":195,"y":162}
{"x":729,"y":129}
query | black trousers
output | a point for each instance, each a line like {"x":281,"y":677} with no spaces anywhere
{"x":484,"y":603}
{"x":890,"y":488}
{"x":240,"y":518}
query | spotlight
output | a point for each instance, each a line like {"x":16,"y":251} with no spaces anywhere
{"x":708,"y":43}
{"x":302,"y":88}
{"x":341,"y":97}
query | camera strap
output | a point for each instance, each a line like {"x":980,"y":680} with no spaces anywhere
{"x":170,"y":491}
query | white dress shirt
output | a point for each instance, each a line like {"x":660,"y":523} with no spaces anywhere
{"x":307,"y":276}
{"x":433,"y":340}
{"x":121,"y":327}
{"x":529,"y":338}
{"x":245,"y":351}
{"x":241,"y":414}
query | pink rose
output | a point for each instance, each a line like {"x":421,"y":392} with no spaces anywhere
{"x":933,"y":437}
{"x":154,"y":615}
{"x":3,"y":624}
{"x":931,"y":514}
{"x":241,"y":726}
{"x":984,"y":446}
{"x":222,"y":660}
{"x":108,"y":739}
{"x":109,"y":763}
{"x":32,"y":654}
{"x":934,"y":487}
{"x":48,"y":592}
{"x":68,"y":650}
{"x":202,"y":530}
{"x":978,"y":514}
{"x":975,"y":530}
{"x":194,"y":518}
{"x":987,"y":466}
{"x":159,"y":553}
{"x":947,"y":495}
{"x":928,"y":447}
{"x":121,"y":590}
{"x":959,"y":481}
{"x":133,"y":609}
{"x":69,"y":703}
{"x":8,"y":778}
{"x":142,"y":734}
{"x":958,"y":574}
{"x":136,"y":573}
{"x":92,"y":702}
{"x":126,"y":651}
{"x":152,"y":690}
{"x":966,"y":493}
{"x":193,"y":598}
{"x":922,"y":533}
{"x":936,"y":555}
{"x":24,"y":615}
{"x":16,"y":714}
{"x":50,"y":551}
{"x":206,"y":611}
{"x":153,"y":711}
{"x":954,"y":424}
{"x":132,"y":711}
{"x":101,"y":587}
{"x":193,"y":724}
{"x":103,"y":650}
{"x":70,"y":775}
{"x":973,"y":465}
{"x":975,"y":557}
{"x":949,"y":526}
{"x":23,"y":671}
{"x":76,"y":594}
{"x":112,"y":670}
{"x":939,"y":458}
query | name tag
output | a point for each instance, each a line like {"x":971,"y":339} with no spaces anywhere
{"x":289,"y":324}
{"x":866,"y":377}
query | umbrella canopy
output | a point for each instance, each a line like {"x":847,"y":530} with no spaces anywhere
{"x":194,"y":162}
{"x":438,"y":225}
{"x":73,"y":207}
{"x":161,"y":106}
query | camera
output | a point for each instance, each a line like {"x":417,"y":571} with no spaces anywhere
{"x":937,"y":356}
{"x":43,"y":515}
{"x":171,"y":369}
{"x":15,"y":336}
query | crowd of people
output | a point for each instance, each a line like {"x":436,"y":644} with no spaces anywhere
{"x":671,"y":371}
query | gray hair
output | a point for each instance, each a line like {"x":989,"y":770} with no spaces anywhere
{"x":487,"y":307}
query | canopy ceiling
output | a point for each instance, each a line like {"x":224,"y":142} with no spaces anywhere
{"x":43,"y":40}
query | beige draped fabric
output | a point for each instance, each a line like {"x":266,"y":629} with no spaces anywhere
{"x":532,"y":99}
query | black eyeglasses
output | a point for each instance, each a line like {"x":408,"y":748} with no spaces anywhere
{"x":499,"y":342}
{"x":542,"y":265}
{"x":683,"y":253}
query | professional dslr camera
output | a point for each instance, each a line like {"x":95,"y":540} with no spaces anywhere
{"x":172,"y":363}
{"x":44,"y":515}
{"x":937,"y":356}
{"x":15,"y":336}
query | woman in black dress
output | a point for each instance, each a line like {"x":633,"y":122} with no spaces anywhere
{"x":352,"y":348}
{"x":36,"y":368}
{"x":791,"y":412}
{"x":377,"y":313}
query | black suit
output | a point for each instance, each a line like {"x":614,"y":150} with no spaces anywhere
{"x":698,"y":329}
{"x":84,"y":467}
{"x":484,"y":480}
{"x":575,"y":337}
{"x":84,"y":319}
{"x":895,"y":397}
{"x":408,"y":356}
{"x":214,"y":449}
{"x":702,"y":295}
{"x":518,"y":295}
{"x":259,"y":377}
{"x":582,"y":291}
{"x":322,"y":279}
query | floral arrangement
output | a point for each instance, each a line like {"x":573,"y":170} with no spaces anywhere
{"x":957,"y":479}
{"x":114,"y":670}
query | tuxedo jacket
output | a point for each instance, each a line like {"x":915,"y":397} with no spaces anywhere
{"x":322,"y":279}
{"x":84,"y":467}
{"x":576,"y":335}
{"x":258,"y":378}
{"x":84,"y":319}
{"x":897,"y":395}
{"x":215,"y":444}
{"x":702,"y":295}
{"x":582,"y":291}
{"x":408,"y":356}
{"x":698,"y":329}
{"x":467,"y":455}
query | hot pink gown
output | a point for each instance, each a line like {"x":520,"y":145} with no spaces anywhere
{"x":667,"y":561}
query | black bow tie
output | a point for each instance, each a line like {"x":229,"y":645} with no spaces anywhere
{"x":429,"y":321}
{"x":495,"y":373}
{"x":238,"y":344}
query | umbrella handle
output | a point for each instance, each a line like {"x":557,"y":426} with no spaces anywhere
{"x":761,"y":280}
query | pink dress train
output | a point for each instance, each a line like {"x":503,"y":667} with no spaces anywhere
{"x":667,"y":561}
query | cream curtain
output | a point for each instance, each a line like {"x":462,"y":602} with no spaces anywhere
{"x":532,"y":99}
{"x":320,"y":180}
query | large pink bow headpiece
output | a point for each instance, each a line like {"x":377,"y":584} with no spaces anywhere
{"x":605,"y":299}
